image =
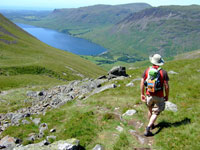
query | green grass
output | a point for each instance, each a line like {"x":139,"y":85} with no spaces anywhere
{"x":94,"y":121}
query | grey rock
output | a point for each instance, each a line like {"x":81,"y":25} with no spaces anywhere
{"x":119,"y":78}
{"x":44,"y":142}
{"x":42,"y":128}
{"x":170,"y":106}
{"x":129,"y":112}
{"x":81,"y":97}
{"x":198,"y":70}
{"x":53,"y":130}
{"x":98,"y":147}
{"x":117,"y":71}
{"x":36,"y":121}
{"x":27,"y":114}
{"x":130,"y":84}
{"x":31,"y":94}
{"x":25,"y":121}
{"x":8,"y":143}
{"x":102,"y":77}
{"x":101,"y":89}
{"x":70,"y":144}
{"x":16,"y":118}
{"x":56,"y":101}
{"x":172,"y":72}
{"x":32,"y":137}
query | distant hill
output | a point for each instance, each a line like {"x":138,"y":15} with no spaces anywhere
{"x":168,"y":30}
{"x":78,"y":20}
{"x":24,"y":60}
{"x":95,"y":15}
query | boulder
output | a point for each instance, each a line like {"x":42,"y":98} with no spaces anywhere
{"x":170,"y":106}
{"x":98,"y":147}
{"x":7,"y":143}
{"x":53,"y":130}
{"x":36,"y":121}
{"x":117,"y":71}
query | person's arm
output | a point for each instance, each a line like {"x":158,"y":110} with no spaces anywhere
{"x":143,"y":98}
{"x":166,"y":90}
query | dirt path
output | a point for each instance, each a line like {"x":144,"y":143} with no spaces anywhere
{"x":143,"y":140}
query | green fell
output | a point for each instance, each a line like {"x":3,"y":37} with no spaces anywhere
{"x":25,"y":61}
{"x":94,"y":120}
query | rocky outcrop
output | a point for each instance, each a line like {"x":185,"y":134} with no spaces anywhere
{"x":7,"y":143}
{"x":70,"y":144}
{"x":116,"y":72}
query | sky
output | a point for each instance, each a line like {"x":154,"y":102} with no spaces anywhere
{"x":52,"y":4}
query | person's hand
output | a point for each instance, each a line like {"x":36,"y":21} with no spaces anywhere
{"x":143,"y":98}
{"x":166,"y":98}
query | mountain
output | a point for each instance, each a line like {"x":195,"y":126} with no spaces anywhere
{"x":27,"y":61}
{"x":95,"y":15}
{"x":79,"y":20}
{"x":168,"y":30}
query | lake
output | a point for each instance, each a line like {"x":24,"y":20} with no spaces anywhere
{"x":63,"y":41}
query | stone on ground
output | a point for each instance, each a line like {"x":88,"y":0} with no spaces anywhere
{"x":98,"y":147}
{"x":171,"y":106}
{"x":129,"y":112}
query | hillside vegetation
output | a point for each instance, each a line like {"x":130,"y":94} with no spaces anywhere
{"x":94,"y":120}
{"x":25,"y":61}
{"x":168,"y":30}
{"x":130,"y":32}
{"x":78,"y":20}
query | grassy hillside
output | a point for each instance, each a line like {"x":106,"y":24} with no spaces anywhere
{"x":98,"y":116}
{"x":25,"y":61}
{"x":168,"y":30}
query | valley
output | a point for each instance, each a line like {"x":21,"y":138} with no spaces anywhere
{"x":53,"y":99}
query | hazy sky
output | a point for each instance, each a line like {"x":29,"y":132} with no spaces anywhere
{"x":51,"y":4}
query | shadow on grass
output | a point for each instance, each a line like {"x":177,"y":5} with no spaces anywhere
{"x":165,"y":124}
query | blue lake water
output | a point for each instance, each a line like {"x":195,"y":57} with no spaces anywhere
{"x":63,"y":41}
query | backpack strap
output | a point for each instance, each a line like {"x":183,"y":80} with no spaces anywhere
{"x":147,"y":72}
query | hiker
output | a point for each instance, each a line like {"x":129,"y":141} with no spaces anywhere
{"x":155,"y":80}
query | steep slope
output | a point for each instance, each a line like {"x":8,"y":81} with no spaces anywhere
{"x":25,"y":60}
{"x":168,"y":30}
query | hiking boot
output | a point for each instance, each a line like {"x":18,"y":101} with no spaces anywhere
{"x":148,"y":132}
